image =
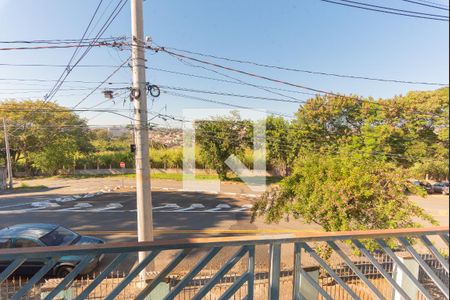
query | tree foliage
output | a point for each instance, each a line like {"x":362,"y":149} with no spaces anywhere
{"x":41,"y":131}
{"x":343,"y":192}
{"x":220,"y":138}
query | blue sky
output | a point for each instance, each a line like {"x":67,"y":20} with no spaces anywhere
{"x":306,"y":34}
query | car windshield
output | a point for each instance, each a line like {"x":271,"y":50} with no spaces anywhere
{"x":59,"y":237}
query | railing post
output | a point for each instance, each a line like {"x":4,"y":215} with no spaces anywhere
{"x":274,"y":275}
{"x":403,"y":280}
{"x":297,"y":274}
{"x":251,"y":273}
{"x":302,"y":289}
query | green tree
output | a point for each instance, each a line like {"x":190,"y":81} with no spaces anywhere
{"x":221,"y":137}
{"x":343,"y":192}
{"x":36,"y":126}
{"x":278,"y":143}
{"x":55,"y":156}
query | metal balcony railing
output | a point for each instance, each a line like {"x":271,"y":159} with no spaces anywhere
{"x":408,"y":253}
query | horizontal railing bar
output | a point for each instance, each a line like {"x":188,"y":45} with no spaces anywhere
{"x":217,"y":242}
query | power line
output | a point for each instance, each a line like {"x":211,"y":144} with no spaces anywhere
{"x":237,"y":80}
{"x":43,"y":110}
{"x":53,"y":80}
{"x":307,"y":71}
{"x":434,"y":3}
{"x":394,"y":9}
{"x":445,"y":19}
{"x":245,"y":72}
{"x":265,"y":77}
{"x":103,"y":82}
{"x":100,"y":44}
{"x":225,"y":103}
{"x":69,"y":69}
{"x":55,"y":65}
{"x":59,"y":41}
{"x":229,"y":94}
{"x":427,"y":5}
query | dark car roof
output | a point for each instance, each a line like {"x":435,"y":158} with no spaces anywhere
{"x":33,"y":230}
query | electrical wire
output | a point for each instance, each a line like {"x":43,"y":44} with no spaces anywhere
{"x":102,"y":30}
{"x":225,"y":104}
{"x":100,"y":85}
{"x":229,"y":94}
{"x":264,"y":77}
{"x":246,"y":73}
{"x":53,"y":80}
{"x":306,"y":71}
{"x":394,"y":9}
{"x":59,"y":41}
{"x":237,"y":80}
{"x":68,"y":68}
{"x":55,"y":65}
{"x":427,"y":5}
{"x":57,"y":46}
{"x":434,"y":3}
{"x":386,"y":12}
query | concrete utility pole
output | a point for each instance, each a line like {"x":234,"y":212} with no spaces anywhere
{"x":139,"y":93}
{"x":8,"y":156}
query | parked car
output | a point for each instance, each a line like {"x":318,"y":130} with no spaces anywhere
{"x":439,"y":187}
{"x":42,"y":235}
{"x":425,"y":185}
{"x":445,"y":191}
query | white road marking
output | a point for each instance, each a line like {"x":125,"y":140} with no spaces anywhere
{"x":219,"y":207}
{"x":110,"y":206}
{"x":77,"y":206}
{"x":21,"y":211}
{"x":243,"y":208}
{"x":45,"y":204}
{"x":192,"y":207}
{"x":65,"y":199}
{"x":170,"y":205}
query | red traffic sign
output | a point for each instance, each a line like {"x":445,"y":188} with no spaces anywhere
{"x":122,"y":164}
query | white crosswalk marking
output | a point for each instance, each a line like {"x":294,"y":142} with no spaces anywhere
{"x":110,"y":206}
{"x":219,"y":207}
{"x":77,"y":206}
{"x":170,"y":205}
{"x":192,"y":207}
{"x":243,"y":208}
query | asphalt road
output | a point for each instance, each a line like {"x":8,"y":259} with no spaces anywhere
{"x":95,"y":207}
{"x":112,"y":216}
